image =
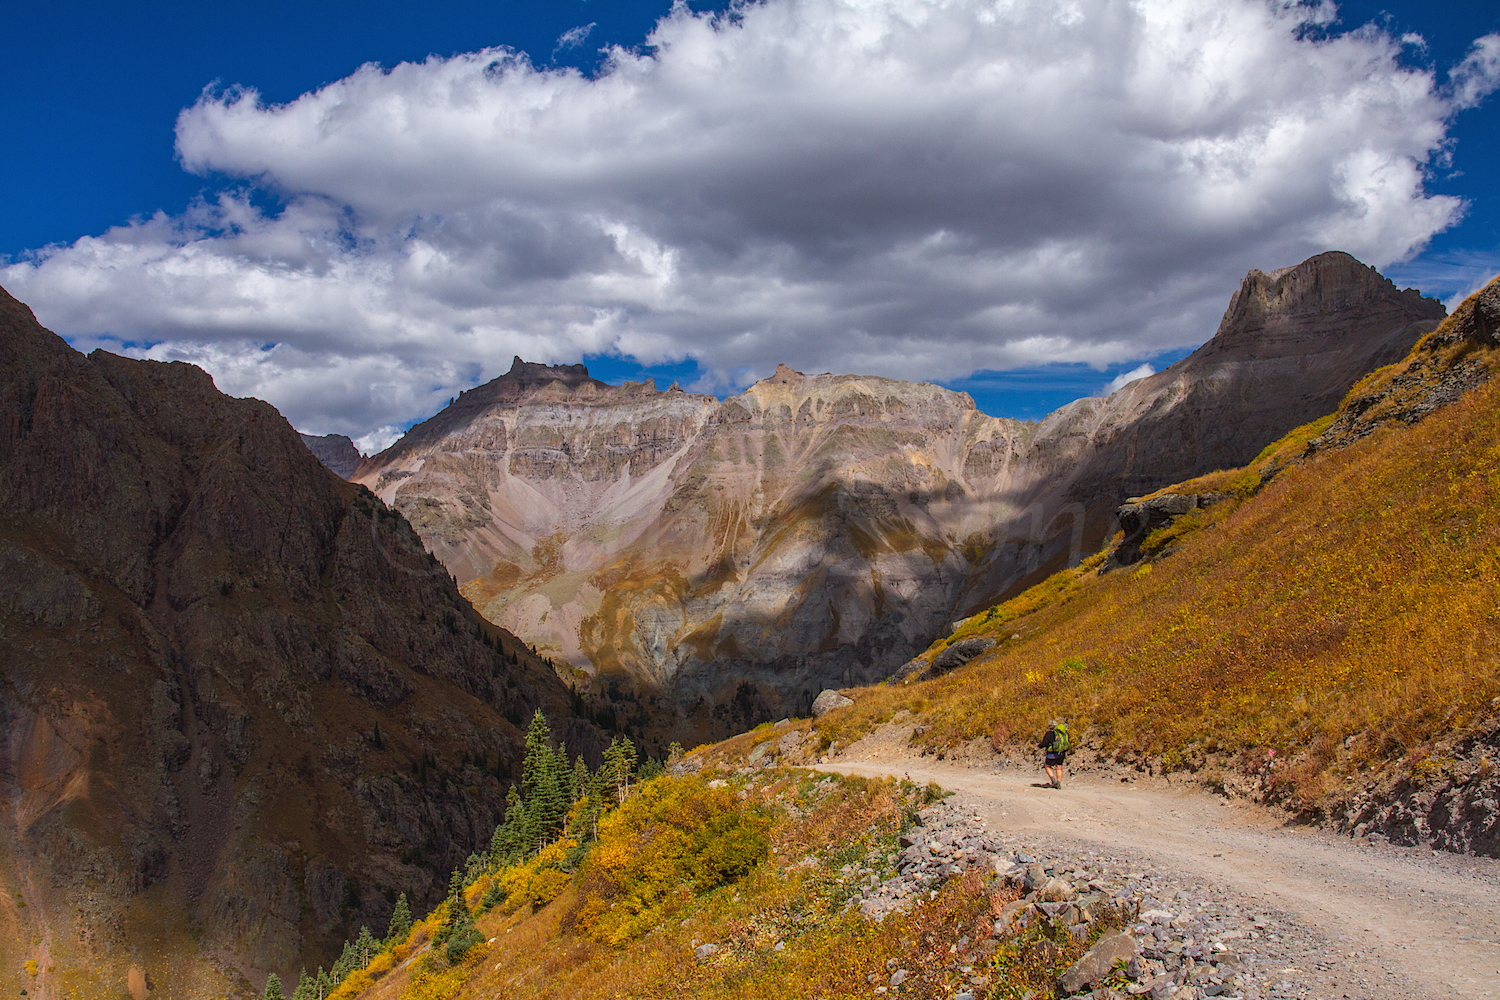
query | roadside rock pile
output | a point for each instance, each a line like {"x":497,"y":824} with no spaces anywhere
{"x":1164,"y":937}
{"x":947,"y":842}
{"x":1178,"y":940}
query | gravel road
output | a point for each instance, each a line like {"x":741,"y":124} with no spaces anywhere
{"x":1337,"y":918}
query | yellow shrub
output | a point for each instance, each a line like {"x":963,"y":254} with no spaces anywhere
{"x":674,"y":837}
{"x":401,"y":952}
{"x":430,"y":983}
{"x":31,"y":966}
{"x":353,"y":985}
{"x":539,"y":880}
{"x":380,"y":965}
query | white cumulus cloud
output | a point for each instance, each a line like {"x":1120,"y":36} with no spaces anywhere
{"x":916,"y":188}
{"x":1125,"y":378}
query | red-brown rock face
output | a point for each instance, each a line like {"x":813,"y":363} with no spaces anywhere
{"x":201,"y":629}
{"x":817,"y":529}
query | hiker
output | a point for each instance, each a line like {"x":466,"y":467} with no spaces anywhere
{"x":1055,"y":744}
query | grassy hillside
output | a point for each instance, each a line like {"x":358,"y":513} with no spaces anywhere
{"x":1338,"y":607}
{"x":739,"y":886}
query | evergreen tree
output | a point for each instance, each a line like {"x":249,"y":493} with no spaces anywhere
{"x":400,"y":925}
{"x":493,"y":896}
{"x":307,"y":988}
{"x":510,"y":841}
{"x":536,"y":766}
{"x":273,"y":988}
{"x":462,"y":934}
{"x":619,"y":763}
{"x":365,"y":947}
{"x":567,"y":789}
{"x":455,"y":904}
{"x":346,"y":964}
{"x":326,"y":983}
{"x":674,"y":752}
{"x":580,"y":779}
{"x":540,"y":784}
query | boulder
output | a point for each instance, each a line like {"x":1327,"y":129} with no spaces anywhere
{"x":908,"y":671}
{"x":827,"y":701}
{"x":1098,"y":962}
{"x":959,"y":653}
{"x":1139,"y":518}
{"x":1058,"y":891}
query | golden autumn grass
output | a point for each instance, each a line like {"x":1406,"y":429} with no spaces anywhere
{"x":795,"y":897}
{"x":1344,"y":613}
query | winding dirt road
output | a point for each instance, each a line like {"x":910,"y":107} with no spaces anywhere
{"x":1390,"y":922}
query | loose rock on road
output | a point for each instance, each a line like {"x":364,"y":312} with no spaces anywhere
{"x":1330,"y":917}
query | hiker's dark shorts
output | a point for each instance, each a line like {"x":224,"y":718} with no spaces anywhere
{"x":1054,"y":759}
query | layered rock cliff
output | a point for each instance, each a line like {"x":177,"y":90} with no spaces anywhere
{"x":241,"y":706}
{"x":816,"y":530}
{"x":335,"y":451}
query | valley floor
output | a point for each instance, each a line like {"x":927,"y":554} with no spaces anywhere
{"x":1341,"y":918}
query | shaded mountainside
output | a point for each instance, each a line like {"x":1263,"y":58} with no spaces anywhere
{"x":818,"y":530}
{"x":242,"y":706}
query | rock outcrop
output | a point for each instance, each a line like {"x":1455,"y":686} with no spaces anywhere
{"x":240,"y":704}
{"x":335,"y":451}
{"x":818,"y":530}
{"x":1138,"y":518}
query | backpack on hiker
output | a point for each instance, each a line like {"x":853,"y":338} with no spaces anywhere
{"x":1062,"y":741}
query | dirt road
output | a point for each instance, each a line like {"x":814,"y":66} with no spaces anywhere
{"x":1389,"y":922}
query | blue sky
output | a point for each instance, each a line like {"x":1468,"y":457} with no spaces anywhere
{"x":657,"y":249}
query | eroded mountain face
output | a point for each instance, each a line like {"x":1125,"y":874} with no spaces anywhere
{"x":335,"y":451}
{"x":241,"y":706}
{"x":817,"y":530}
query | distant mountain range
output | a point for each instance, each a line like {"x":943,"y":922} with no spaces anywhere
{"x":819,"y":530}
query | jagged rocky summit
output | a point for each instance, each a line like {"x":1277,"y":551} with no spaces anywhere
{"x":335,"y":451}
{"x":816,"y":531}
{"x":242,"y":707}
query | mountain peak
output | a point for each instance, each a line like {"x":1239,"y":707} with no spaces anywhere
{"x":1312,"y":307}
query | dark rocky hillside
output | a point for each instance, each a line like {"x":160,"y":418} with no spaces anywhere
{"x":243,"y":707}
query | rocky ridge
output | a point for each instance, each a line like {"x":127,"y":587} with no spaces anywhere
{"x":818,"y":530}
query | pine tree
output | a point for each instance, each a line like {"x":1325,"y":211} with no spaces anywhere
{"x":273,"y":988}
{"x":536,"y":765}
{"x":580,"y":779}
{"x":541,"y":785}
{"x":462,"y":934}
{"x":365,"y":947}
{"x":619,"y":762}
{"x":400,"y":926}
{"x":455,"y":903}
{"x":326,"y":983}
{"x":509,"y":841}
{"x":307,"y":987}
{"x":346,"y":964}
{"x":567,"y":789}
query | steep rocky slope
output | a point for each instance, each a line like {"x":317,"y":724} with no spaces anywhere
{"x":1322,"y":637}
{"x":819,"y":529}
{"x":335,"y":451}
{"x":242,"y":707}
